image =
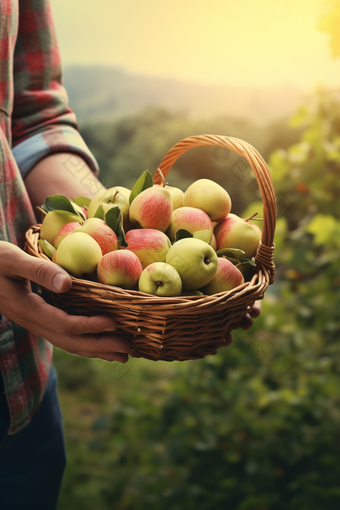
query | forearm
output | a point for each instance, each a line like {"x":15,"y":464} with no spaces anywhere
{"x":61,"y":174}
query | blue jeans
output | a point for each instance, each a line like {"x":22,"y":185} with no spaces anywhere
{"x":32,"y":462}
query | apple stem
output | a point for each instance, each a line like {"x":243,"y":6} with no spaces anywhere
{"x":251,"y":217}
{"x":207,"y":260}
{"x":161,"y":175}
{"x":159,"y":284}
{"x":41,"y":210}
{"x":114,"y":196}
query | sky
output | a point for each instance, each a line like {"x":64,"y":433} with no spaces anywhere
{"x":261,"y":43}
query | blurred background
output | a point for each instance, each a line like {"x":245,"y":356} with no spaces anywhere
{"x":256,"y":427}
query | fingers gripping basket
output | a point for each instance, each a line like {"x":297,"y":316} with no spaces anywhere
{"x":179,"y":328}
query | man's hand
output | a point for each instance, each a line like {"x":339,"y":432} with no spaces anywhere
{"x":247,"y":320}
{"x":91,"y":337}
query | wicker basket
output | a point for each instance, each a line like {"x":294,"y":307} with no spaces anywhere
{"x":179,"y":328}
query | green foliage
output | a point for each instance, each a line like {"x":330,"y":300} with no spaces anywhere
{"x":61,"y":203}
{"x":124,"y":149}
{"x":114,"y":219}
{"x":330,"y":24}
{"x":256,"y":427}
{"x":144,"y":182}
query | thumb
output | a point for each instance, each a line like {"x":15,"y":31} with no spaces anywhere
{"x":47,"y":274}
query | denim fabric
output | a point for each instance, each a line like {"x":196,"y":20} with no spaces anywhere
{"x":32,"y":462}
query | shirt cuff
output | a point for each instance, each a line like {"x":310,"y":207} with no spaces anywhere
{"x":56,"y":139}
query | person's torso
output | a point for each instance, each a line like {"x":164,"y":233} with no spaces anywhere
{"x":16,"y":214}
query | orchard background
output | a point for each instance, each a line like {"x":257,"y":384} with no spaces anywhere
{"x":256,"y":427}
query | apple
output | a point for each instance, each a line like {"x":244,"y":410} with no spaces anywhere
{"x":124,"y":191}
{"x":213,"y":242}
{"x":148,"y":244}
{"x":152,"y":208}
{"x":79,"y":254}
{"x":226,"y":278}
{"x":210,"y":197}
{"x":193,"y":220}
{"x":234,"y":232}
{"x":195,"y":261}
{"x":160,"y":279}
{"x":177,"y":196}
{"x":101,"y":232}
{"x":121,"y":268}
{"x":112,"y":197}
{"x":191,"y":293}
{"x":65,"y":231}
{"x":53,"y":222}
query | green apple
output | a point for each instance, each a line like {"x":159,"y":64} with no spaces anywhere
{"x":152,"y":208}
{"x":177,"y":197}
{"x":210,"y":197}
{"x":234,"y":232}
{"x":160,"y":279}
{"x":79,"y":254}
{"x":195,"y":261}
{"x":116,"y":196}
{"x":226,"y":278}
{"x":66,"y":230}
{"x":192,"y":293}
{"x":54,"y":221}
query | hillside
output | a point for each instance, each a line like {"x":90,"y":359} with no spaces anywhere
{"x":110,"y":93}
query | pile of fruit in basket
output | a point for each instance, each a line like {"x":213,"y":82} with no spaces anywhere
{"x":155,"y":239}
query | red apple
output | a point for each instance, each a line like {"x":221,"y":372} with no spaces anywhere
{"x":152,"y":208}
{"x":213,"y":242}
{"x":148,"y":244}
{"x":226,"y":278}
{"x":121,"y":268}
{"x":100,"y":232}
{"x":234,"y":232}
{"x":193,"y":220}
{"x":65,"y":231}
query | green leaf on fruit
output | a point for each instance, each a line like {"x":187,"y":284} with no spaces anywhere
{"x":247,"y":261}
{"x":182,"y":234}
{"x":230,"y":253}
{"x":144,"y":182}
{"x":47,"y":248}
{"x":82,"y":201}
{"x":232,"y":260}
{"x":100,"y":213}
{"x":60,"y":203}
{"x":114,"y":219}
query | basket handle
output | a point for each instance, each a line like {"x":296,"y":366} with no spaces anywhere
{"x":264,"y":254}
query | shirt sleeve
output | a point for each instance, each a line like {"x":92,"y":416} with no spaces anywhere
{"x":42,"y":121}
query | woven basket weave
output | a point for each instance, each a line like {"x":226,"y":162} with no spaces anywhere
{"x":179,"y":328}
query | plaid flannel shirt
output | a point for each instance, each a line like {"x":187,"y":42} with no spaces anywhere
{"x":35,"y":121}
